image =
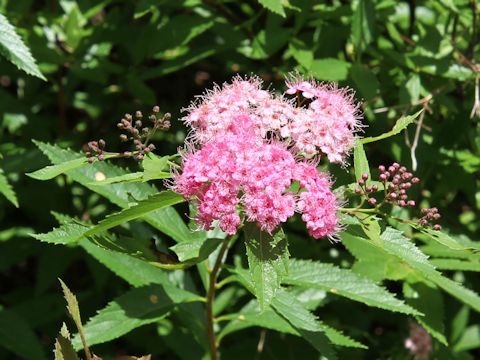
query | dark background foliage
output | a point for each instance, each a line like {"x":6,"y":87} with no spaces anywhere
{"x":105,"y":58}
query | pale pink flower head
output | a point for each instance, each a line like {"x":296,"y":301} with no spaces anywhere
{"x":322,"y":119}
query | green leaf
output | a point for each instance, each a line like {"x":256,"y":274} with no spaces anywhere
{"x":63,"y":346}
{"x":72,"y":306}
{"x":394,"y":243}
{"x":161,"y":200}
{"x":303,"y":321}
{"x":136,"y":308}
{"x":344,"y":282}
{"x":250,"y":315}
{"x":136,"y":272}
{"x":153,"y":167}
{"x":360,"y":161}
{"x":67,"y":233}
{"x":136,"y":176}
{"x":448,"y":241}
{"x":365,"y":80}
{"x":455,"y":264}
{"x":15,"y":50}
{"x":400,"y":125}
{"x":469,"y":340}
{"x":6,"y":189}
{"x":166,"y":220}
{"x":430,"y":302}
{"x":49,"y":172}
{"x":267,"y":260}
{"x":363,"y":24}
{"x":17,"y":336}
{"x":195,"y":249}
{"x":330,"y":69}
{"x":275,"y":6}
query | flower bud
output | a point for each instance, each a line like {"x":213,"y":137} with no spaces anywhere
{"x":372,"y":201}
{"x":402,"y":203}
{"x":138,"y":114}
{"x":361,"y":182}
{"x":437,"y":227}
{"x":156,"y":109}
{"x":393,"y":195}
{"x":383,"y":177}
{"x":411,"y":203}
{"x":358,"y":190}
{"x":381,"y":168}
{"x":375,"y":187}
{"x":123,"y":137}
{"x":415,"y":180}
{"x":365,"y":176}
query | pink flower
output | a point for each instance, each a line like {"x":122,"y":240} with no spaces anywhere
{"x":237,"y":176}
{"x":326,"y":125}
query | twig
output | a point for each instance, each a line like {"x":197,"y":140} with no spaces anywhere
{"x":212,"y":341}
{"x":413,"y":148}
{"x":261,"y":342}
{"x":476,"y":101}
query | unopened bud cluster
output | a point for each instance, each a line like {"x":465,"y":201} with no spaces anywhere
{"x":95,"y":150}
{"x":366,"y":190}
{"x":397,"y":180}
{"x":430,"y":215}
{"x":136,"y":131}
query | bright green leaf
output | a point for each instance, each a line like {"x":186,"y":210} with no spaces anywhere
{"x":15,"y":50}
{"x":400,"y":125}
{"x":6,"y":189}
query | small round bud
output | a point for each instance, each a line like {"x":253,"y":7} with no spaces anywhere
{"x":393,"y":195}
{"x":396,"y":165}
{"x":365,"y":176}
{"x":372,"y":201}
{"x":138,"y":114}
{"x":403,"y":169}
{"x":415,"y":180}
{"x":408,"y":185}
{"x":101,"y":143}
{"x":381,"y":168}
{"x":437,"y":216}
{"x":135,"y":132}
{"x":123,"y":137}
{"x":375,"y":187}
{"x":424,"y":211}
{"x":167,"y":116}
{"x":156,"y":109}
{"x":138,"y":124}
{"x":166,"y":124}
{"x":145,"y":130}
{"x":361,"y":182}
{"x":358,"y":190}
{"x":139,"y":157}
{"x":101,"y":157}
{"x":403,"y":197}
{"x":369,"y":189}
{"x":383,"y":177}
{"x":120,"y":125}
{"x":402,"y":191}
{"x":423,"y":222}
{"x":437,"y":227}
{"x":402,"y":203}
{"x":391,"y":169}
{"x":128,"y":117}
{"x":411,"y":203}
{"x":151,"y":147}
{"x":152,"y":118}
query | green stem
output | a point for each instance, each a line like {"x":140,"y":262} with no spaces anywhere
{"x":212,"y":341}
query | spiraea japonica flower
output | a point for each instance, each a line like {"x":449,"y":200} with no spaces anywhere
{"x":321,"y":120}
{"x":236,"y":176}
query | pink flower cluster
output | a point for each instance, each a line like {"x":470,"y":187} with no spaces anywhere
{"x":321,"y":120}
{"x":237,"y":173}
{"x":245,"y":165}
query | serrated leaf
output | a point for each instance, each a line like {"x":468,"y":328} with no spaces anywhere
{"x":136,"y":176}
{"x":15,"y":50}
{"x":400,"y":125}
{"x":51,"y":171}
{"x":360,"y":161}
{"x":448,"y":241}
{"x":135,"y":271}
{"x":250,"y":315}
{"x":344,"y":282}
{"x":455,"y":265}
{"x":156,"y":202}
{"x":268,"y":261}
{"x":135,"y":308}
{"x":72,"y":305}
{"x":63,"y":346}
{"x":275,"y":6}
{"x":195,"y":249}
{"x":17,"y":336}
{"x":394,"y":243}
{"x":153,"y":167}
{"x":65,"y":234}
{"x":166,"y":220}
{"x":6,"y":189}
{"x":303,"y":321}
